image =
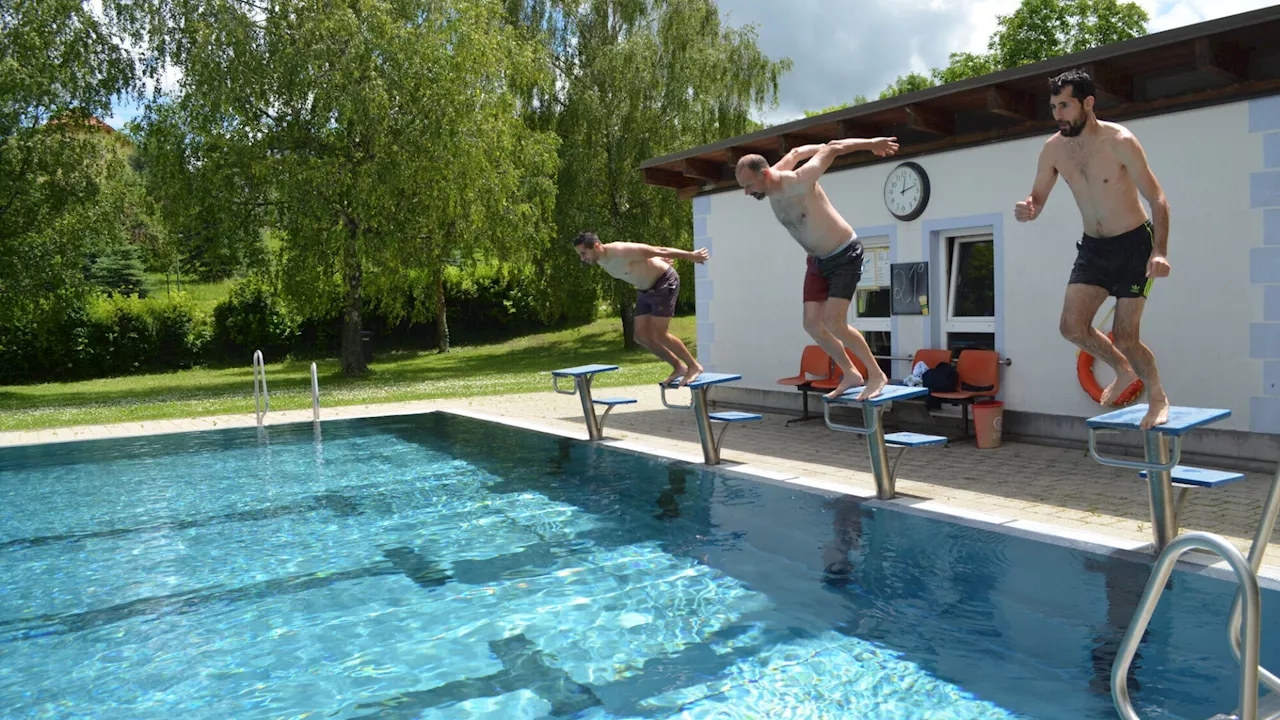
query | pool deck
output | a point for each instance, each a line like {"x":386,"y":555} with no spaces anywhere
{"x":1045,"y":489}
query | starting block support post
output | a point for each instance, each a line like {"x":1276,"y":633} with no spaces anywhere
{"x":582,"y":376}
{"x":1162,"y":448}
{"x":873,"y":429}
{"x":702,"y":416}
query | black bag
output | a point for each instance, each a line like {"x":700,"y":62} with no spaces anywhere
{"x":942,"y":378}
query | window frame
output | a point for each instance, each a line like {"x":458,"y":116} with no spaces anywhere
{"x":964,"y":324}
{"x":871,"y":324}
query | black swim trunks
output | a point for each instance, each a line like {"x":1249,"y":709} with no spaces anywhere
{"x":842,"y":269}
{"x":1118,"y":263}
{"x":660,"y":299}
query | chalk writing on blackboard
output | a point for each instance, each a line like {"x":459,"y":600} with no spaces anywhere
{"x":910,"y":287}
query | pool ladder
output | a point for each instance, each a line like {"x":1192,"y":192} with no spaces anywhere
{"x":1248,"y":595}
{"x":262,"y":402}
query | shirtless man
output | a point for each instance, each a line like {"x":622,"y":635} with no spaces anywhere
{"x":647,"y":268}
{"x":835,"y":254}
{"x":1122,"y":251}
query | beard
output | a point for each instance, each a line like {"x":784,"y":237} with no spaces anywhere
{"x":1071,"y":129}
{"x":758,"y":195}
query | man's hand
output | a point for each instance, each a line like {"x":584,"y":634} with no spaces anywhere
{"x":1157,"y":266}
{"x":1025,"y":210}
{"x":700,"y":255}
{"x":883,"y":146}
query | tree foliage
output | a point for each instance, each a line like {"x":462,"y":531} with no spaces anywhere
{"x":58,"y":63}
{"x":378,"y":136}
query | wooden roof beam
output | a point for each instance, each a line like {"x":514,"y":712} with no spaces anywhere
{"x":1222,"y":60}
{"x":669,"y":178}
{"x":707,"y":170}
{"x":1110,"y":84}
{"x":930,"y":120}
{"x":857,"y":129}
{"x":1011,"y":103}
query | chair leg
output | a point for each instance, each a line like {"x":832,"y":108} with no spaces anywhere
{"x":804,"y":400}
{"x":964,"y":410}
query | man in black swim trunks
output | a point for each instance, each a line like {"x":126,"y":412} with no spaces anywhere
{"x":835,"y":253}
{"x":1122,"y":251}
{"x":657,"y":284}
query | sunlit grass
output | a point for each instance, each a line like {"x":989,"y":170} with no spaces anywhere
{"x":516,"y":366}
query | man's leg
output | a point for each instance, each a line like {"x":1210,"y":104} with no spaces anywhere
{"x":646,"y":337}
{"x":661,"y":333}
{"x":835,"y":314}
{"x":817,"y":329}
{"x":1078,"y":310}
{"x":1143,"y":361}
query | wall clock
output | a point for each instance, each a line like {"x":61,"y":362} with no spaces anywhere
{"x":906,"y":191}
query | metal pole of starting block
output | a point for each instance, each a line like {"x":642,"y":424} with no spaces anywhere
{"x":710,"y":453}
{"x":583,"y":383}
{"x":1164,"y":517}
{"x":878,"y":452}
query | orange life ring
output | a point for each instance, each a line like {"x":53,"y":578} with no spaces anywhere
{"x":1084,"y":372}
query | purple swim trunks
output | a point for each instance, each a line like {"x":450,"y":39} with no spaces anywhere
{"x":660,"y":299}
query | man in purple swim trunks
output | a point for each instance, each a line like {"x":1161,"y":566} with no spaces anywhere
{"x":648,"y":268}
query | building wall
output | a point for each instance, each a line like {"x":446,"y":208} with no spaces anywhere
{"x":1213,"y":324}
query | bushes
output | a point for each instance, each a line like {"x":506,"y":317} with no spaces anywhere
{"x":253,"y":318}
{"x":104,"y":335}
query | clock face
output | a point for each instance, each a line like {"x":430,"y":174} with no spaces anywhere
{"x":906,"y":191}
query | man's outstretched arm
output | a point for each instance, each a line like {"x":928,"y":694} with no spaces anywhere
{"x":795,"y":155}
{"x":822,"y":159}
{"x":641,"y":251}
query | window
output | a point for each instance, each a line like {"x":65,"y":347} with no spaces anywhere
{"x":970,"y":321}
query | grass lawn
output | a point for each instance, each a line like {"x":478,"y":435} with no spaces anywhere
{"x":205,"y":295}
{"x":520,"y":365}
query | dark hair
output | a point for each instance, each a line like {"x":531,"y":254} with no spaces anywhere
{"x":753,"y":162}
{"x":585,"y":238}
{"x":1078,"y":80}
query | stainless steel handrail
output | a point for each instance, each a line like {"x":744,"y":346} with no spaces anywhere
{"x":1266,"y":526}
{"x":261,"y":404}
{"x":315,"y":394}
{"x":1248,"y":581}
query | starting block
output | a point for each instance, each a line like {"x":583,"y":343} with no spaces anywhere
{"x":873,"y":429}
{"x":1162,"y":448}
{"x":582,"y":377}
{"x":702,"y":418}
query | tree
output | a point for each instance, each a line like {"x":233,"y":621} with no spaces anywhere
{"x":1041,"y":29}
{"x":857,"y":100}
{"x":910,"y":82}
{"x":59,"y":63}
{"x":963,"y":66}
{"x":635,"y":79}
{"x":378,"y":136}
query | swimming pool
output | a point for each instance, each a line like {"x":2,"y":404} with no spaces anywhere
{"x":437,"y":566}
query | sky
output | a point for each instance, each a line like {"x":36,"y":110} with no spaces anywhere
{"x":843,"y":48}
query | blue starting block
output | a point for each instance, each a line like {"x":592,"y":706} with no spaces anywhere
{"x":582,"y":377}
{"x":1162,"y":448}
{"x":702,"y":418}
{"x":873,"y":429}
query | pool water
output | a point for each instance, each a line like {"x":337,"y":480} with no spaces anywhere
{"x":436,"y":566}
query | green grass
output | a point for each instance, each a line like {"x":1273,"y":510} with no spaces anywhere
{"x":205,"y":295}
{"x":519,"y":365}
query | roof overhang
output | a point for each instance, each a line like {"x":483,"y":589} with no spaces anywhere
{"x":1224,"y":60}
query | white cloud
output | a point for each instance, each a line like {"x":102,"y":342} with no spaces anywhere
{"x":842,"y":48}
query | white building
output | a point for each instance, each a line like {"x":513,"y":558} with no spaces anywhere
{"x":1205,"y":103}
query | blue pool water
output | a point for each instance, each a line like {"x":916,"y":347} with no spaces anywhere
{"x":436,"y":566}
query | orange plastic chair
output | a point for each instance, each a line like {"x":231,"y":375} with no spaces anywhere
{"x":977,"y":369}
{"x":814,"y":361}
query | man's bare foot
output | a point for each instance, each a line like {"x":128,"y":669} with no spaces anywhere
{"x":850,"y":380}
{"x":1157,"y":413}
{"x":690,"y":374}
{"x":874,"y":386}
{"x":1114,"y":391}
{"x":675,"y":375}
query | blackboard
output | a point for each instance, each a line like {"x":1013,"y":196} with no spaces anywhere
{"x":910,"y":286}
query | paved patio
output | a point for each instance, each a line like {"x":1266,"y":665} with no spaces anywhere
{"x":1031,"y":486}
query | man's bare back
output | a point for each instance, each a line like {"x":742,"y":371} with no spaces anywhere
{"x":806,"y":212}
{"x":1095,"y":170}
{"x":624,"y":262}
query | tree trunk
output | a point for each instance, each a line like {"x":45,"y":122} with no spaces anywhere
{"x":442,"y":317}
{"x":352,"y":275}
{"x":629,"y":326}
